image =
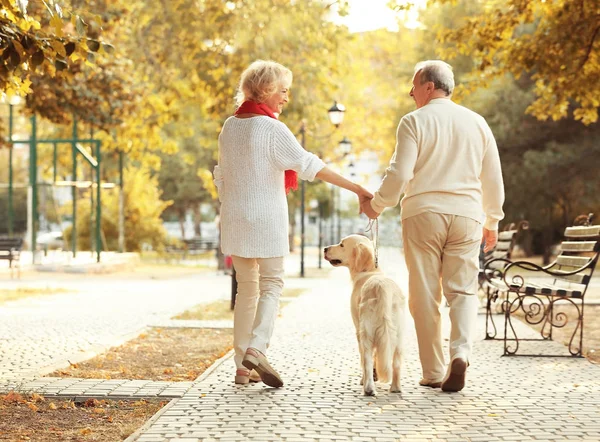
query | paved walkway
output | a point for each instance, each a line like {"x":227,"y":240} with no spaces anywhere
{"x":315,"y":350}
{"x":40,"y":334}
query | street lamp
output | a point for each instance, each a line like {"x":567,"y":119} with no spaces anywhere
{"x":336,"y":116}
{"x":345,"y":147}
{"x":336,"y":113}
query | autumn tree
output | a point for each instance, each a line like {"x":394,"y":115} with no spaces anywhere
{"x":554,"y":42}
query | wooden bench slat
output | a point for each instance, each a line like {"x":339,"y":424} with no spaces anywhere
{"x":503,"y":246}
{"x":506,"y":235}
{"x":578,"y":278}
{"x":582,"y":232}
{"x":579,"y":246}
{"x":572,"y":261}
{"x":549,"y":290}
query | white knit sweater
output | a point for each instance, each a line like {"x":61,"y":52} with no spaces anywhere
{"x":250,"y":178}
{"x":446,"y":161}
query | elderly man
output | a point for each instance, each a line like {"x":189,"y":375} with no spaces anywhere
{"x":447,"y":165}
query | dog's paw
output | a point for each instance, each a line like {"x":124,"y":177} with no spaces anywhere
{"x":369,"y":388}
{"x":395,"y":389}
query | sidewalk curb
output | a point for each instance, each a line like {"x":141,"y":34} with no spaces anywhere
{"x":133,"y":437}
{"x":136,"y":434}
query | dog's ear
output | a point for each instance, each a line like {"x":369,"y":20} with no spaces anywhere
{"x":362,"y":259}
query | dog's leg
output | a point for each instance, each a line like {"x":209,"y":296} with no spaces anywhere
{"x":362,"y":359}
{"x":375,"y":377}
{"x":367,"y":354}
{"x":396,"y":366}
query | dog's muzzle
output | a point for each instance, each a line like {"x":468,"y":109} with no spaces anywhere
{"x":333,"y":262}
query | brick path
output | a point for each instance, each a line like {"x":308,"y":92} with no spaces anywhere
{"x":315,"y":351}
{"x":40,"y":334}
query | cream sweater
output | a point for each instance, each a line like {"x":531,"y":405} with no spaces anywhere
{"x":254,"y":154}
{"x":446,"y":161}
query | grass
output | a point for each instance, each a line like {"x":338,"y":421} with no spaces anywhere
{"x":220,"y":310}
{"x":7,"y":295}
{"x":212,"y":311}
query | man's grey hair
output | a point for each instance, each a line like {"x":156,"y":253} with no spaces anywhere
{"x":437,"y":71}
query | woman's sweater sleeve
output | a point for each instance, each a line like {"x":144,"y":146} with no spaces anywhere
{"x":288,"y":154}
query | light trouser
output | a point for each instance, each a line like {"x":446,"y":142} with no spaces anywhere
{"x":260,"y":284}
{"x":442,"y":253}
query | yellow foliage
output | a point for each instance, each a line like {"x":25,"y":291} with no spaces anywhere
{"x":556,"y":43}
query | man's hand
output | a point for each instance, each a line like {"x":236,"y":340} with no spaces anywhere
{"x":490,"y":237}
{"x":365,"y":207}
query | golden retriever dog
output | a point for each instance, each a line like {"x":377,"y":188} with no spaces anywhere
{"x":378,"y":311}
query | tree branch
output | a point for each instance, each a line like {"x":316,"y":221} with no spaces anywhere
{"x":589,"y":49}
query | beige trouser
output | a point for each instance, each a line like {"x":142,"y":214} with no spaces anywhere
{"x":439,"y":246}
{"x":260,"y":284}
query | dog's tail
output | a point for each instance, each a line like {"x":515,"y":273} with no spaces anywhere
{"x":385,"y":333}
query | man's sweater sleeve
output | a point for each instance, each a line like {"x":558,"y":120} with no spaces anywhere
{"x":492,"y":184}
{"x":401,"y":168}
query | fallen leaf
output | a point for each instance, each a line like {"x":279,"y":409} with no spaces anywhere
{"x":85,"y":431}
{"x":33,"y":407}
{"x":13,"y":398}
{"x":52,"y":406}
{"x":91,"y":403}
{"x":37,"y":398}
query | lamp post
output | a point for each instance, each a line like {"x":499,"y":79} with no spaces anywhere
{"x":345,"y":147}
{"x":336,"y":116}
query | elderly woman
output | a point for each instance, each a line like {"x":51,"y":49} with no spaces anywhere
{"x":259,"y":162}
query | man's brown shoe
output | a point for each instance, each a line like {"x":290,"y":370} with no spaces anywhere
{"x":255,"y":360}
{"x":456,"y":378}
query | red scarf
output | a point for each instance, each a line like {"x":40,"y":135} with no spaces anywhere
{"x":252,"y":107}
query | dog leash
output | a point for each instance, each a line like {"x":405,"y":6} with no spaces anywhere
{"x":374,"y":238}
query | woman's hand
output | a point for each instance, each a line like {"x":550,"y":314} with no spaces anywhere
{"x":363,"y":193}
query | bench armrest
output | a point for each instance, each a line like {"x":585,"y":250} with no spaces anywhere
{"x":490,"y":270}
{"x":526,"y":265}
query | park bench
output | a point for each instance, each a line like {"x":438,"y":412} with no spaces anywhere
{"x":193,"y":246}
{"x":534,"y":291}
{"x":10,"y":249}
{"x":507,"y":239}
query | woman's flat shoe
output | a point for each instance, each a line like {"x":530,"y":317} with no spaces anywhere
{"x":254,"y":359}
{"x":245,"y":376}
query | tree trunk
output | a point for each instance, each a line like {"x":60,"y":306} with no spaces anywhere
{"x":181,"y":218}
{"x":197,"y":221}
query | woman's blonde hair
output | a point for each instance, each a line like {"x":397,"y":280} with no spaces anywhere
{"x":261,"y":80}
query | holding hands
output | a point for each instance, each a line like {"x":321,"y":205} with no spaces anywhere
{"x":364,"y":199}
